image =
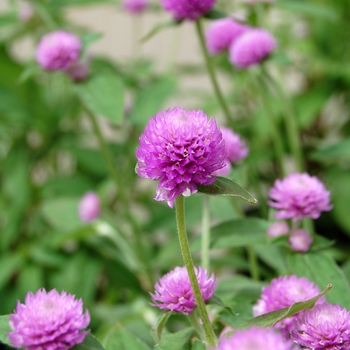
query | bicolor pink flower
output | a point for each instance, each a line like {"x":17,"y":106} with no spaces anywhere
{"x":187,"y":9}
{"x":278,"y":228}
{"x":324,"y":327}
{"x":57,"y":50}
{"x":135,"y":6}
{"x":48,"y":321}
{"x":298,"y":196}
{"x":251,"y":48}
{"x":174,"y":292}
{"x":182,"y":149}
{"x":221,"y":33}
{"x":255,"y":339}
{"x":300,"y":240}
{"x":89,"y":207}
{"x":282,"y":292}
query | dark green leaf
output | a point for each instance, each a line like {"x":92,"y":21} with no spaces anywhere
{"x":9,"y":264}
{"x":215,"y":14}
{"x":103,"y":95}
{"x":226,"y":187}
{"x":217,"y":301}
{"x":334,"y":152}
{"x":272,"y":318}
{"x":89,"y":343}
{"x":161,"y":321}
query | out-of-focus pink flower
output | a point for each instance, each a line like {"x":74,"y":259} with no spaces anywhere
{"x":135,"y":6}
{"x":187,"y":9}
{"x":89,"y":207}
{"x":278,"y":228}
{"x":298,"y":196}
{"x":300,"y":240}
{"x":182,"y":149}
{"x":57,"y":50}
{"x":48,"y":321}
{"x":251,"y":48}
{"x":221,"y":33}
{"x":174,"y":292}
{"x":78,"y":70}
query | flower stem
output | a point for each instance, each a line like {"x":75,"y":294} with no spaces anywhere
{"x":196,"y":325}
{"x":210,"y":337}
{"x":253,"y":263}
{"x":145,"y":275}
{"x":211,"y":72}
{"x":205,"y":262}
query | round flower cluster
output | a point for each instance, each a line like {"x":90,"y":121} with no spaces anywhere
{"x":181,"y":148}
{"x":57,"y":50}
{"x":300,"y":240}
{"x":235,"y":148}
{"x":89,"y":207}
{"x":174,"y":292}
{"x":187,"y":9}
{"x":283,"y":292}
{"x":255,"y":338}
{"x":247,"y":46}
{"x":324,"y":327}
{"x":298,"y":196}
{"x":48,"y":321}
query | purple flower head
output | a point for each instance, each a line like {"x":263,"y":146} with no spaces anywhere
{"x":255,"y":339}
{"x":235,"y":147}
{"x":278,"y":228}
{"x":48,"y":321}
{"x":300,"y":240}
{"x":174,"y":292}
{"x":325,"y":327}
{"x":222,"y":33}
{"x":251,"y":48}
{"x":89,"y":207}
{"x":283,"y":292}
{"x":225,"y":170}
{"x":298,"y":196}
{"x":187,"y":9}
{"x":57,"y":50}
{"x":135,"y":6}
{"x":78,"y":70}
{"x":181,"y":148}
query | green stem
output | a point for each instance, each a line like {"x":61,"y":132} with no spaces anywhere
{"x":290,"y":123}
{"x":196,"y":325}
{"x":211,"y":72}
{"x":144,"y":265}
{"x":205,"y":262}
{"x":210,"y":337}
{"x":253,"y":263}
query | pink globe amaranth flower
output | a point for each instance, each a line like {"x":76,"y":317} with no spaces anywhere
{"x":48,"y":321}
{"x":135,"y":6}
{"x":325,"y":327}
{"x":300,"y":240}
{"x":235,"y":147}
{"x":187,"y":9}
{"x":298,"y":196}
{"x":255,"y":339}
{"x":251,"y":48}
{"x":174,"y":292}
{"x":278,"y":228}
{"x":283,"y":292}
{"x":89,"y":207}
{"x":221,"y":33}
{"x":181,"y":148}
{"x":78,"y":70}
{"x":57,"y":50}
{"x":225,"y":170}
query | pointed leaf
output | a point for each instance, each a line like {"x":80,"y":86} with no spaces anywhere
{"x":4,"y":329}
{"x":226,"y":187}
{"x":103,"y":95}
{"x":162,"y":320}
{"x":217,"y":301}
{"x":272,"y":318}
{"x":158,"y":27}
{"x":176,"y":341}
{"x":121,"y":339}
{"x":90,"y":343}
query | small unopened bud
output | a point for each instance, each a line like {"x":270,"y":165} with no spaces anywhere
{"x":300,"y":240}
{"x":89,"y":207}
{"x":278,"y":228}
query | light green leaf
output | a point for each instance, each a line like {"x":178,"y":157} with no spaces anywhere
{"x":103,"y":95}
{"x":161,"y":321}
{"x":121,"y":339}
{"x":158,"y":27}
{"x":4,"y":329}
{"x":89,"y":343}
{"x":334,"y":152}
{"x":217,"y":301}
{"x":226,"y":187}
{"x":176,"y":341}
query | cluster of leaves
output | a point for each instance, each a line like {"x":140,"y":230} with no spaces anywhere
{"x":49,"y":157}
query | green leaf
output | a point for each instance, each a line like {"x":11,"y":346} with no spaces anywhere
{"x":322,"y":269}
{"x":161,"y":321}
{"x":336,"y":152}
{"x":176,"y":341}
{"x":215,"y":14}
{"x":103,"y":95}
{"x":89,"y":38}
{"x":121,"y":339}
{"x":151,"y":99}
{"x":9,"y":264}
{"x":226,"y":187}
{"x":90,"y":343}
{"x":217,"y":301}
{"x":4,"y":329}
{"x":158,"y":27}
{"x":272,"y":318}
{"x":197,"y":345}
